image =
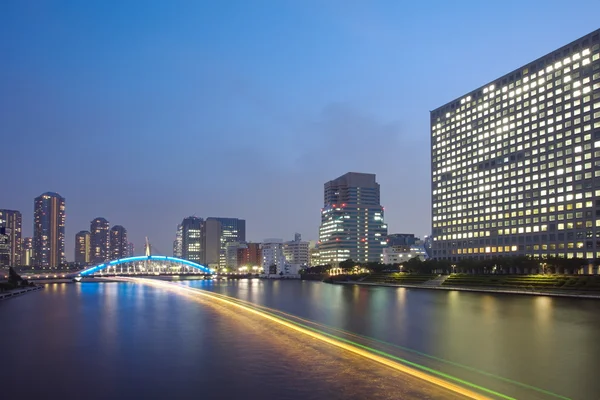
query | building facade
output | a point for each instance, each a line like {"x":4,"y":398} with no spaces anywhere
{"x":119,"y":245}
{"x":402,"y":253}
{"x":191,"y":231}
{"x":178,"y":242}
{"x":211,"y":242}
{"x":100,"y":240}
{"x":249,"y":255}
{"x":27,"y":252}
{"x":49,"y":230}
{"x":4,"y":247}
{"x":273,"y":260}
{"x":400,"y":239}
{"x":515,"y":163}
{"x":130,"y":249}
{"x":11,"y":220}
{"x":83,"y":248}
{"x":352,"y":224}
{"x":233,"y":230}
{"x":314,"y":254}
{"x":296,"y":251}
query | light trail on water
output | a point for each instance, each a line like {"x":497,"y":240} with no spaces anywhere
{"x":358,"y":336}
{"x":396,"y":363}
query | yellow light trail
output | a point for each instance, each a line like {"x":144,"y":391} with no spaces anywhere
{"x":315,"y":335}
{"x":357,"y":336}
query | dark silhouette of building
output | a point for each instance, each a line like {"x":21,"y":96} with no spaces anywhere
{"x":230,"y":230}
{"x":401,"y":239}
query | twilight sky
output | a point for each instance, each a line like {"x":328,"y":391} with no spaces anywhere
{"x":145,"y":112}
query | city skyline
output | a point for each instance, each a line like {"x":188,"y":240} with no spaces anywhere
{"x":268,"y":107}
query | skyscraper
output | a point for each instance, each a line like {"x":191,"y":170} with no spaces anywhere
{"x":514,"y":163}
{"x":211,"y":242}
{"x":352,"y":225}
{"x":100,"y":240}
{"x":178,"y":242}
{"x":82,"y":248}
{"x":231,"y":230}
{"x":4,"y":247}
{"x":27,"y":252}
{"x":49,"y":230}
{"x":191,"y":230}
{"x":11,"y":220}
{"x":119,"y":246}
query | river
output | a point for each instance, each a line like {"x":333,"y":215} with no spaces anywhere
{"x":131,"y":340}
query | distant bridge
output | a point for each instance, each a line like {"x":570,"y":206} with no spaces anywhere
{"x":148,"y":264}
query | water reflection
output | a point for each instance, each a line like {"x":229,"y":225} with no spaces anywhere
{"x":126,"y":336}
{"x":508,"y":336}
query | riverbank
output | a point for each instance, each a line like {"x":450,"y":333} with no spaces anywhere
{"x":478,"y":289}
{"x":18,"y":292}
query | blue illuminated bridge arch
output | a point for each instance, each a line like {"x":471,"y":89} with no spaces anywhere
{"x":174,"y":260}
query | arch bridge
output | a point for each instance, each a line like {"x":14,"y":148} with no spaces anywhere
{"x":148,"y":264}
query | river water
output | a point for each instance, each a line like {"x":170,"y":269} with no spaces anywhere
{"x":131,"y":340}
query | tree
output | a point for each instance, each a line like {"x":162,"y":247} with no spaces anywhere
{"x":348,"y":264}
{"x":413,"y":265}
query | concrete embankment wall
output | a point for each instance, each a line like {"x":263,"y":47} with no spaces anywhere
{"x":18,"y":292}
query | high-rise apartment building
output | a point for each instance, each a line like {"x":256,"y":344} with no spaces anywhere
{"x":119,"y":246}
{"x":515,"y":162}
{"x":192,"y":239}
{"x":296,"y":251}
{"x":49,"y":230}
{"x":178,"y":242}
{"x":4,"y":247}
{"x":27,"y":252}
{"x":11,"y":220}
{"x":232,"y":230}
{"x":100,"y":240}
{"x":82,"y":248}
{"x":352,"y":225}
{"x":130,"y":249}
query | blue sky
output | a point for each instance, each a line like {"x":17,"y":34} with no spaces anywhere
{"x":145,"y":112}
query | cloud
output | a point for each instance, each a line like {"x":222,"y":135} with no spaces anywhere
{"x":344,"y":138}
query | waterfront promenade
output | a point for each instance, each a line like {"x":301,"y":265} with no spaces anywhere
{"x":533,"y":292}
